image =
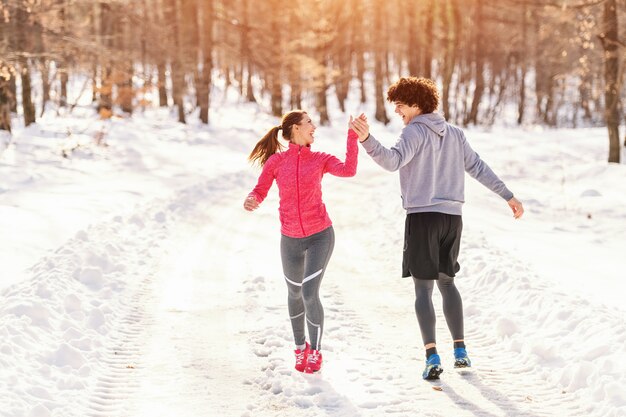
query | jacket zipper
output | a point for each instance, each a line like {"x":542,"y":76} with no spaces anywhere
{"x":298,"y":190}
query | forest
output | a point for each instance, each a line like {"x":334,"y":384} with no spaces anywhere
{"x":558,"y":63}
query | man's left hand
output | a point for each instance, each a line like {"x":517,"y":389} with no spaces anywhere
{"x":516,"y":206}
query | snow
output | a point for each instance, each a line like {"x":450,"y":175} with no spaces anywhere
{"x":134,"y":283}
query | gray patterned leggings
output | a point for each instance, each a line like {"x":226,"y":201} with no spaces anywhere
{"x":452,"y":307}
{"x":304,"y":263}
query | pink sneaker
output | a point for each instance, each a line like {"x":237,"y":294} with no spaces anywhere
{"x":313,"y":362}
{"x":301,"y":357}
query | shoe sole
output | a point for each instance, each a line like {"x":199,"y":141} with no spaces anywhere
{"x":462,"y":364}
{"x":433,"y":373}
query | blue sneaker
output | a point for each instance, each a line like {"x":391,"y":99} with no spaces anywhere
{"x":433,"y":367}
{"x":460,"y":358}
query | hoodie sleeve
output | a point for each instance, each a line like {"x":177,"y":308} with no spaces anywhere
{"x":334,"y":166}
{"x":265,"y":181}
{"x":479,"y":170}
{"x":399,"y":155}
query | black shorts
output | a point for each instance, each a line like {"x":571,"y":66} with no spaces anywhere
{"x":431,"y":245}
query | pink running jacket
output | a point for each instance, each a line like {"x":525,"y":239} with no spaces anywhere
{"x":298,"y":173}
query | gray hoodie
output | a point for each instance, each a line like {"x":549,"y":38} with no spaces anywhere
{"x":432,"y":157}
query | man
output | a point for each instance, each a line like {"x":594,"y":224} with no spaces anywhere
{"x":432,"y":157}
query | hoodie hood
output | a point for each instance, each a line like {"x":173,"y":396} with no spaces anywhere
{"x":433,"y":121}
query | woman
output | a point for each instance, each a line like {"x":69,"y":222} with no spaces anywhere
{"x":308,"y":238}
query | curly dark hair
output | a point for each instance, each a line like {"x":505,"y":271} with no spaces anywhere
{"x":413,"y":91}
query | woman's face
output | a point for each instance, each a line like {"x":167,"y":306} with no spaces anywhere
{"x":303,"y":131}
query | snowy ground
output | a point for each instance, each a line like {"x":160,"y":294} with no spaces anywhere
{"x":134,"y":284}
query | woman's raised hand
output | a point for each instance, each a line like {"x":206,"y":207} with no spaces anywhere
{"x":360,"y":126}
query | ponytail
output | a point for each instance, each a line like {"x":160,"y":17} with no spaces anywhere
{"x":266,"y":147}
{"x":269,"y":145}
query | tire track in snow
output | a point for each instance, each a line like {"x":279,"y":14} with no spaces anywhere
{"x":198,"y":352}
{"x":179,"y":338}
{"x":69,"y":312}
{"x":126,"y":368}
{"x":117,"y":381}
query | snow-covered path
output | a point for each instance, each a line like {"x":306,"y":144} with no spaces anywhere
{"x":208,"y":334}
{"x":158,"y":295}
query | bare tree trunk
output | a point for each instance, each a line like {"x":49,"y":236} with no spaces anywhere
{"x":358,"y":35}
{"x":465,"y":77}
{"x":343,"y":68}
{"x":64,"y":79}
{"x":105,"y":102}
{"x":94,"y":20}
{"x":342,"y":72}
{"x":162,"y":83}
{"x":13,"y":91}
{"x":322,"y":85}
{"x":192,"y":50}
{"x":502,"y":82}
{"x":63,"y":62}
{"x":227,"y":75}
{"x":585,"y":84}
{"x":250,"y":89}
{"x":381,"y":112}
{"x":585,"y":95}
{"x":276,"y":85}
{"x":294,"y":68}
{"x":451,"y":18}
{"x":430,"y":38}
{"x":28,"y":106}
{"x":125,"y":90}
{"x":379,"y":56}
{"x":523,"y":67}
{"x":204,"y":87}
{"x":341,"y":89}
{"x":295,"y":95}
{"x":144,"y":40}
{"x":7,"y":79}
{"x":240,"y":71}
{"x":94,"y":83}
{"x":164,"y":50}
{"x":386,"y":59}
{"x":124,"y":76}
{"x":545,"y":75}
{"x":22,"y":21}
{"x":479,"y":44}
{"x":549,"y":111}
{"x":45,"y":83}
{"x":360,"y":69}
{"x":178,"y":79}
{"x":322,"y":103}
{"x":276,"y":94}
{"x":246,"y":53}
{"x":6,"y":99}
{"x":610,"y":39}
{"x":413,"y":42}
